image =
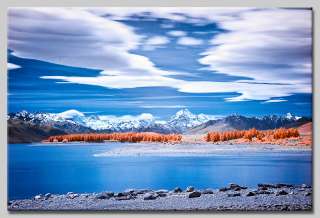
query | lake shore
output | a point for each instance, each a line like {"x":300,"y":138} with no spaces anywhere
{"x":196,"y":149}
{"x":264,"y":197}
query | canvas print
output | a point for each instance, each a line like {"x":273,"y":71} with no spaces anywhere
{"x":159,"y":109}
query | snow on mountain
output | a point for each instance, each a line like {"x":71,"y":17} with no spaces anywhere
{"x":179,"y":122}
{"x":184,"y":119}
{"x":73,"y":121}
{"x":292,"y":117}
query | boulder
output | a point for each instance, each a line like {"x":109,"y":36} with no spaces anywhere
{"x":266,"y":186}
{"x":305,"y":186}
{"x":72,"y":195}
{"x":282,"y":192}
{"x":149,"y":196}
{"x":207,"y":191}
{"x":282,"y":185}
{"x":190,"y":189}
{"x":124,"y":198}
{"x":177,"y":190}
{"x":161,"y":191}
{"x":249,"y":194}
{"x":47,"y":196}
{"x":233,"y":186}
{"x":104,"y":195}
{"x":38,"y":197}
{"x":121,"y":194}
{"x":308,"y":194}
{"x":224,"y":189}
{"x":194,"y":194}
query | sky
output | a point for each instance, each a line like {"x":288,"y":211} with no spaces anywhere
{"x":128,"y":61}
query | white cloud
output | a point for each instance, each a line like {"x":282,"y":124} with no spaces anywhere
{"x":155,"y":42}
{"x":274,"y":101}
{"x":276,"y":58}
{"x":268,"y":46}
{"x":189,"y":41}
{"x":75,"y":37}
{"x":11,"y":66}
{"x":177,"y":33}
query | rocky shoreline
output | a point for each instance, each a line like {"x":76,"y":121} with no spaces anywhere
{"x":264,"y":197}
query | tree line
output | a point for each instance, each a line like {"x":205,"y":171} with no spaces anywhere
{"x":121,"y":137}
{"x":261,"y":135}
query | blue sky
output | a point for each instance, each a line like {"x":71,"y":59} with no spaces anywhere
{"x":122,"y":61}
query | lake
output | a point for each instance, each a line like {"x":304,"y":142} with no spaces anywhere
{"x":36,"y":168}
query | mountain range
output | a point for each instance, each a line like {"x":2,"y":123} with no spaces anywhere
{"x":26,"y":127}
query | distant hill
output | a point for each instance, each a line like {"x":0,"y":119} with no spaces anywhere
{"x":236,"y":122}
{"x":23,"y":132}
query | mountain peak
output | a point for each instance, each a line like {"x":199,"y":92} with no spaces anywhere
{"x":184,"y":112}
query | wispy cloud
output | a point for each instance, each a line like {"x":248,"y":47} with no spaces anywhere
{"x":11,"y":66}
{"x":189,"y":41}
{"x":274,"y":101}
{"x":177,"y":33}
{"x":254,"y":45}
{"x":155,"y":42}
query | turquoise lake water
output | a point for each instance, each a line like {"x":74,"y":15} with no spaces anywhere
{"x":60,"y":169}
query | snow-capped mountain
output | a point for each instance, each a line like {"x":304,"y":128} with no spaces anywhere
{"x":184,"y":119}
{"x":179,"y":122}
{"x":33,"y":127}
{"x":74,"y":121}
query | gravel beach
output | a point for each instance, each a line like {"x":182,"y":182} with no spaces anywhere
{"x":264,"y":197}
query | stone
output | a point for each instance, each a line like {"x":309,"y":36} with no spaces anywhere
{"x":234,"y":194}
{"x":308,"y":194}
{"x":249,"y":194}
{"x":72,"y":195}
{"x":104,"y":195}
{"x":121,"y":194}
{"x":194,"y":194}
{"x":237,"y":189}
{"x":177,"y":190}
{"x":233,"y":186}
{"x":266,"y":185}
{"x":224,"y":189}
{"x":207,"y":191}
{"x":162,"y":194}
{"x":142,"y":191}
{"x":282,"y":185}
{"x":47,"y":196}
{"x":190,"y":189}
{"x":149,"y":196}
{"x":124,"y":198}
{"x":305,"y":186}
{"x":38,"y":197}
{"x":161,"y":191}
{"x":282,"y":192}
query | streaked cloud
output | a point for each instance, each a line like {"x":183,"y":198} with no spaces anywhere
{"x":189,"y":41}
{"x":274,"y":101}
{"x":177,"y":33}
{"x":11,"y":66}
{"x":155,"y":42}
{"x":276,"y":58}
